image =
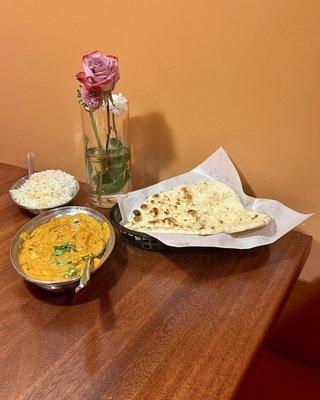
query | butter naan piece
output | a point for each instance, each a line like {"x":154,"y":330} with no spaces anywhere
{"x":203,"y":208}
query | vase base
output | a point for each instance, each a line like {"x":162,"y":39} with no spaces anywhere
{"x":104,"y":201}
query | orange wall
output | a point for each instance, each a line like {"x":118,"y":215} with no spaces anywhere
{"x":199,"y":74}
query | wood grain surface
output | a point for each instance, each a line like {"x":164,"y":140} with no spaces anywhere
{"x":150,"y":326}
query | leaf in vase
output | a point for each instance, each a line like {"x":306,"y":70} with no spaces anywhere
{"x":117,"y":162}
{"x":117,"y":171}
{"x":114,"y":183}
{"x":116,"y":166}
{"x":107,"y":178}
{"x":114,"y":187}
{"x":118,"y":156}
{"x":117,"y":148}
{"x":115,"y":144}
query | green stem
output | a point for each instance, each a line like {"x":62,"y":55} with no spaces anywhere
{"x":114,"y":125}
{"x":96,"y":133}
{"x":100,"y":148}
{"x":109,"y":127}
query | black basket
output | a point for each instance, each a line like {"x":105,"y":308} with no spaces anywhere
{"x":138,"y":239}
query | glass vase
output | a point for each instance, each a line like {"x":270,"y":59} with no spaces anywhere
{"x":107,"y":154}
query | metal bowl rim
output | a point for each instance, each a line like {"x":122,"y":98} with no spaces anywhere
{"x":47,"y":213}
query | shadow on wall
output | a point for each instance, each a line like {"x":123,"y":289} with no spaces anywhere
{"x":297,"y":332}
{"x":245,"y":184}
{"x":152,"y":148}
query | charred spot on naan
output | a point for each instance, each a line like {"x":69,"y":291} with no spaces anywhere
{"x":137,"y":215}
{"x":171,"y":221}
{"x":186,"y":194}
{"x":154,"y":212}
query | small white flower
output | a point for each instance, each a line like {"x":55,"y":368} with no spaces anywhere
{"x":120,"y":104}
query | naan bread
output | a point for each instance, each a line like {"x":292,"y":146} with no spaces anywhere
{"x":201,"y":208}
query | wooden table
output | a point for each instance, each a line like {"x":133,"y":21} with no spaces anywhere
{"x":151,"y":326}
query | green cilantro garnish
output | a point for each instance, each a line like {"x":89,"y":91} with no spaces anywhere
{"x":72,"y":271}
{"x":66,"y":247}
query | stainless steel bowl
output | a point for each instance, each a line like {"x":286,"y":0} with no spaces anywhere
{"x":44,"y":217}
{"x":21,"y":181}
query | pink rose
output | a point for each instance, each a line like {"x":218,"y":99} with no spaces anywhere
{"x":100,"y":71}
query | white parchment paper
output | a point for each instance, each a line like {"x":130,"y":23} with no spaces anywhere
{"x":219,"y":167}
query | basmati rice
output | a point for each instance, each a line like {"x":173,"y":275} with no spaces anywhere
{"x":46,"y":189}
